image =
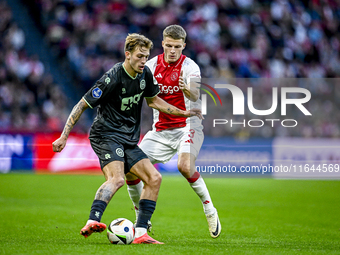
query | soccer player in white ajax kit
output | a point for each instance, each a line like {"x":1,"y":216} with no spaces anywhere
{"x":172,"y":134}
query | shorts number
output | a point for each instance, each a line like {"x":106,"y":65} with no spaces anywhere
{"x":192,"y":133}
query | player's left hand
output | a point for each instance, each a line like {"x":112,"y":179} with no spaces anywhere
{"x":182,"y":85}
{"x":196,"y":112}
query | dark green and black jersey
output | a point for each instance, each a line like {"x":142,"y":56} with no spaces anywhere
{"x":119,"y":98}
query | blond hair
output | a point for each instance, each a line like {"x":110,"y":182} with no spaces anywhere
{"x":136,"y":40}
{"x":175,"y":32}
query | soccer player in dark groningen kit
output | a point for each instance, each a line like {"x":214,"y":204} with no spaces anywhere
{"x":115,"y":133}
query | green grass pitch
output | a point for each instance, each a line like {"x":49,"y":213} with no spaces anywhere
{"x":43,"y":214}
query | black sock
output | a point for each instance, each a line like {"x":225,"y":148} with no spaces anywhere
{"x":146,"y":209}
{"x":97,"y":210}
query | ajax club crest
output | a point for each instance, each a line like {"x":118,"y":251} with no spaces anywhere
{"x":174,"y":76}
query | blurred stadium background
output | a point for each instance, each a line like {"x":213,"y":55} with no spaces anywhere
{"x":52,"y":51}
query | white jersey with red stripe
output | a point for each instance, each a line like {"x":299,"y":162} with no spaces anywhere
{"x":167,"y":76}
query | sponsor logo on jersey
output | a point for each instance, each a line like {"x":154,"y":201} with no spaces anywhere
{"x":97,"y":93}
{"x":168,"y":89}
{"x":142,"y":84}
{"x":128,"y":102}
{"x":174,"y":76}
{"x":159,"y":75}
{"x":107,"y":156}
{"x":120,"y":152}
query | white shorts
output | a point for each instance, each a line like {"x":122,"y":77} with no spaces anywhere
{"x":161,"y":146}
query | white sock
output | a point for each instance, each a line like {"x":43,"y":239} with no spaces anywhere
{"x":135,"y":190}
{"x":201,"y":190}
{"x":139,"y":232}
{"x":90,"y":221}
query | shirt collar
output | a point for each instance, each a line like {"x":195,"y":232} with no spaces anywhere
{"x":175,"y":64}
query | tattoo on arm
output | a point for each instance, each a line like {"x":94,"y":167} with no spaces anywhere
{"x":74,"y":116}
{"x":160,"y":105}
{"x":169,"y":110}
{"x":174,"y":111}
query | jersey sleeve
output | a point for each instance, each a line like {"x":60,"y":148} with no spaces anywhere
{"x":100,"y":90}
{"x":152,"y":88}
{"x":192,"y":72}
{"x":152,"y":63}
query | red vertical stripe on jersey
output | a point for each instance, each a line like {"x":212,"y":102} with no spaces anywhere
{"x":167,"y":76}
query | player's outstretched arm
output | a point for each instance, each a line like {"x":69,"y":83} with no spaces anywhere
{"x":59,"y":144}
{"x":160,"y":105}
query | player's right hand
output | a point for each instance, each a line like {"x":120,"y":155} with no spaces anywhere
{"x":196,"y":112}
{"x":59,"y":144}
{"x":182,"y":85}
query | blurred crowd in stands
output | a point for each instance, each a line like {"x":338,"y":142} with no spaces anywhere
{"x":29,"y":99}
{"x":227,"y":38}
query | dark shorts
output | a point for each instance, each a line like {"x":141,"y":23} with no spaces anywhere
{"x":109,"y":150}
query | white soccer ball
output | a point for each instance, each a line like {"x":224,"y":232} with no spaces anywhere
{"x":121,"y":231}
